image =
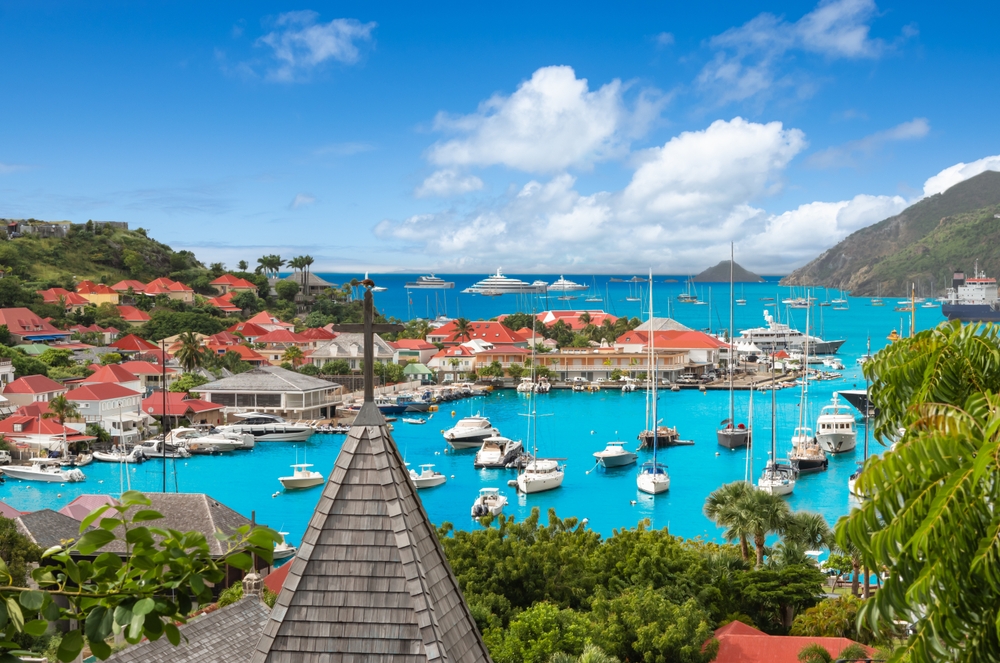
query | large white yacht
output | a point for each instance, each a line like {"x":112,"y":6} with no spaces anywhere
{"x":430,"y":283}
{"x":497,"y":452}
{"x":470,"y":432}
{"x":498,"y":284}
{"x":562,"y":284}
{"x":43,"y":469}
{"x":540,"y":475}
{"x":835,"y":430}
{"x":267,"y":428}
{"x":779,"y":336}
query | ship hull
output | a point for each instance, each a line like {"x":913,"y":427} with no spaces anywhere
{"x":970,"y":312}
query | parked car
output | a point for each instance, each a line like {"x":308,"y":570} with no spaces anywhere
{"x":4,"y":457}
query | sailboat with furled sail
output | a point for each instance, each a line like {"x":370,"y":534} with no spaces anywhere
{"x":652,"y":477}
{"x":778,"y":478}
{"x":730,"y":434}
{"x":807,"y":455}
{"x":539,"y":474}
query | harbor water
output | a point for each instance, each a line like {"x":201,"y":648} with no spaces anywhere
{"x":570,"y":425}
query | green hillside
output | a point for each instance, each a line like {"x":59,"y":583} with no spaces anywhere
{"x":906,"y":248}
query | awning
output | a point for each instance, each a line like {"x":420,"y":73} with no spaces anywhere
{"x":132,"y":416}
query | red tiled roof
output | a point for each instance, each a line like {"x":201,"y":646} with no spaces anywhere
{"x":673,"y":340}
{"x":7,"y":511}
{"x":38,"y":426}
{"x":282,"y":336}
{"x":53,"y":295}
{"x":177,"y":405}
{"x":245,"y":353}
{"x":233,"y":282}
{"x":177,"y":286}
{"x":91,"y":288}
{"x":33,"y":384}
{"x":223,"y":338}
{"x":133,"y":343}
{"x":748,"y":645}
{"x":100,"y":392}
{"x":123,"y":286}
{"x":489,"y":331}
{"x":572,"y":318}
{"x":144,"y":368}
{"x":318,"y":334}
{"x":112,"y":373}
{"x":223,"y":304}
{"x":248,"y":329}
{"x":132,"y":314}
{"x":265,"y":318}
{"x":35,"y":409}
{"x":276,"y":578}
{"x":22,"y":322}
{"x":413,"y":344}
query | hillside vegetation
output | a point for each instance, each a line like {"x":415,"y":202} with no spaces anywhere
{"x":920,"y":245}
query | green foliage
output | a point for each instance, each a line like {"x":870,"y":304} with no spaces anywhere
{"x":390,"y":372}
{"x":309,"y":369}
{"x":287,"y":290}
{"x":12,"y":292}
{"x":853,"y":652}
{"x":164,"y":323}
{"x":96,"y":430}
{"x":23,"y":364}
{"x":815,"y":653}
{"x":644,"y":624}
{"x":833,"y":618}
{"x":5,"y":337}
{"x":186,"y":382}
{"x":110,"y":358}
{"x":166,"y":574}
{"x":591,"y":654}
{"x":517,"y":371}
{"x":537,"y":633}
{"x":190,"y":354}
{"x":56,"y":358}
{"x":17,"y":551}
{"x":336,"y":367}
{"x":234,"y":593}
{"x":494,"y":370}
{"x":772,"y":597}
{"x":249,"y":302}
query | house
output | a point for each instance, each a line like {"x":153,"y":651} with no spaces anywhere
{"x":133,"y":316}
{"x":97,"y":293}
{"x":413,"y":350}
{"x":739,"y":643}
{"x":278,"y":341}
{"x":662,"y":324}
{"x":113,"y":407}
{"x":268,"y":322}
{"x":349,"y":346}
{"x":6,"y":372}
{"x":451,"y":363}
{"x":228,"y":283}
{"x":309,"y":285}
{"x":26,"y":327}
{"x":703,"y":350}
{"x":170,"y":288}
{"x":39,"y":433}
{"x":106,"y":334}
{"x":179,"y":406}
{"x":274,"y":390}
{"x":251,"y":331}
{"x":224,"y":303}
{"x":70,"y":301}
{"x":32,"y":389}
{"x":150,"y":375}
{"x":249,"y":355}
{"x":489,"y":331}
{"x":46,"y":528}
{"x":132,"y":344}
{"x":576,"y":320}
{"x":113,"y":374}
{"x":318,"y":334}
{"x":123,"y":287}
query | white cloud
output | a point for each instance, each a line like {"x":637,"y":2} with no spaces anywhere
{"x":7,"y":168}
{"x":448,"y":182}
{"x":301,"y":200}
{"x":845,"y":155}
{"x":551,"y":122}
{"x":960,"y":172}
{"x":749,"y":59}
{"x":300,"y":44}
{"x":664,"y":39}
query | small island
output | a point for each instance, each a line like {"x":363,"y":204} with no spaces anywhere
{"x":720,"y":274}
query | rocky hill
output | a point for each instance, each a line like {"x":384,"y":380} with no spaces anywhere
{"x":920,"y":245}
{"x":720,"y":274}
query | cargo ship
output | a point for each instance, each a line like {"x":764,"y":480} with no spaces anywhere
{"x":972,"y":299}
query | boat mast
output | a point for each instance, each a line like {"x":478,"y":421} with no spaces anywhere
{"x":732,"y":404}
{"x":652,"y":357}
{"x":868,"y":404}
{"x":805,"y":370}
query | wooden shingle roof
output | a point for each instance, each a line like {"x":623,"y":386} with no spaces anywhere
{"x":370,"y":581}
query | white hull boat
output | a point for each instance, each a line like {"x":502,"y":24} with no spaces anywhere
{"x":497,"y":452}
{"x":302,"y":477}
{"x":615,"y":455}
{"x":283,"y":550}
{"x":540,"y":475}
{"x":777,"y":479}
{"x":653,"y":479}
{"x":267,"y":428}
{"x":835,"y":429}
{"x":489,"y":503}
{"x":427,"y":478}
{"x":470,"y":432}
{"x":46,"y":470}
{"x":115,"y":456}
{"x":156,"y":450}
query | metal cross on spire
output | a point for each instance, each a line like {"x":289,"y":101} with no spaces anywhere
{"x":369,"y":329}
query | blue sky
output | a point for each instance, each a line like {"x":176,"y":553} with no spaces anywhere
{"x":537,"y":136}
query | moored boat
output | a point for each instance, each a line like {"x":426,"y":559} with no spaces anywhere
{"x":302,"y":477}
{"x":427,"y":478}
{"x":469,"y":433}
{"x":267,"y":428}
{"x":615,"y":455}
{"x":835,"y":430}
{"x":489,"y":503}
{"x":497,"y":452}
{"x":47,"y":470}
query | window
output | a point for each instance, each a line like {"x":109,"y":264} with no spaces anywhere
{"x":18,"y":428}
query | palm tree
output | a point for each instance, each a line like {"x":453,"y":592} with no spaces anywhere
{"x":190,"y":354}
{"x":294,"y":355}
{"x":61,"y":409}
{"x":808,"y":530}
{"x":723,"y":508}
{"x":765,"y":514}
{"x":585,"y":318}
{"x":243,"y":265}
{"x":463,"y":329}
{"x":307,"y":262}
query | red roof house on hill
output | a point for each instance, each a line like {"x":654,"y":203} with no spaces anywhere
{"x":267,"y":321}
{"x":113,"y":374}
{"x":133,"y":343}
{"x":32,"y":389}
{"x":572,"y":318}
{"x":38,"y":431}
{"x":133,"y":315}
{"x":248,"y":355}
{"x":739,"y":643}
{"x":25,"y":326}
{"x":487,"y":331}
{"x":179,"y":405}
{"x":123,"y":286}
{"x":224,"y":303}
{"x":230,"y":283}
{"x":70,"y":300}
{"x":318,"y":334}
{"x":251,"y":331}
{"x":170,"y":288}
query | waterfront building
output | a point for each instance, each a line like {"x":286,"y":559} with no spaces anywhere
{"x":28,"y":428}
{"x":6,"y":372}
{"x":32,"y":389}
{"x":488,"y":331}
{"x":114,"y":408}
{"x":662,"y":324}
{"x":454,"y":361}
{"x":179,"y":406}
{"x":572,"y":319}
{"x":26,"y":327}
{"x":349,"y":347}
{"x":274,"y":390}
{"x":412,"y":350}
{"x":277,"y":342}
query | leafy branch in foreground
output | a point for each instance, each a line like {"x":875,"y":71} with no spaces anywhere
{"x":144,"y":589}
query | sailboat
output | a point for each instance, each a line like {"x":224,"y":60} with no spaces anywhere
{"x":594,"y":296}
{"x":637,"y":295}
{"x":688,"y":297}
{"x":540,"y":474}
{"x":652,"y":477}
{"x":806,"y":454}
{"x":852,"y":481}
{"x":777,"y":478}
{"x":877,"y":299}
{"x":730,"y":435}
{"x":742,"y":301}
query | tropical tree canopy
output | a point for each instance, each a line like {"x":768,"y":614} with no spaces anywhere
{"x":931,"y":520}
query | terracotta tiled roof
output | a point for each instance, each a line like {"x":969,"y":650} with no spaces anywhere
{"x":413,"y":344}
{"x":318,"y":334}
{"x":245,"y":353}
{"x":739,"y":643}
{"x":233,"y":282}
{"x":673,"y":340}
{"x":38,"y":426}
{"x":489,"y":331}
{"x":223,"y":304}
{"x":33,"y":384}
{"x":145,"y":368}
{"x":91,"y":288}
{"x":248,"y":329}
{"x":112,"y":373}
{"x":132,"y":314}
{"x":178,"y":405}
{"x":100,"y":392}
{"x":283,"y":336}
{"x":265,"y":318}
{"x":133,"y":343}
{"x":53,"y":295}
{"x":23,"y":322}
{"x":123,"y":286}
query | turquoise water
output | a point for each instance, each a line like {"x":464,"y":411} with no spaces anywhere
{"x":580,"y":424}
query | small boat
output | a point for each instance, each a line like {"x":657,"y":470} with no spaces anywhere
{"x":427,"y":478}
{"x":158,"y":450}
{"x":526,"y":386}
{"x":283,"y":550}
{"x":470,"y":432}
{"x":413,"y":420}
{"x":615,"y":455}
{"x":665,"y":437}
{"x":497,"y":453}
{"x":653,"y":478}
{"x":302,"y":477}
{"x":81,"y":460}
{"x":540,"y":475}
{"x":118,"y":456}
{"x":489,"y":503}
{"x":47,"y":470}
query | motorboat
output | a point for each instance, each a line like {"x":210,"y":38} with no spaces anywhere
{"x":806,"y":455}
{"x":79,"y":460}
{"x":158,"y":450}
{"x":302,"y":477}
{"x":835,"y":429}
{"x":615,"y":455}
{"x":498,"y":284}
{"x":653,"y":478}
{"x":267,"y":428}
{"x":497,"y":452}
{"x":562,"y":284}
{"x":526,"y":386}
{"x":489,"y":503}
{"x":43,"y":469}
{"x":628,"y":385}
{"x":283,"y":550}
{"x":778,"y":478}
{"x":427,"y":478}
{"x":202,"y":442}
{"x":780,"y":336}
{"x":540,"y":475}
{"x":390,"y":406}
{"x":430,"y":283}
{"x":117,"y":455}
{"x":469,"y":433}
{"x":543,"y":386}
{"x":413,"y":420}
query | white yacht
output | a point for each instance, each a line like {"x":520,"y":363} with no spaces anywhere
{"x":615,"y":455}
{"x":540,"y":475}
{"x":470,"y":432}
{"x":562,"y":284}
{"x":43,"y":469}
{"x":267,"y":428}
{"x":430,"y":283}
{"x":156,"y":449}
{"x":653,"y":478}
{"x":498,"y":284}
{"x":117,"y":455}
{"x":200,"y":442}
{"x":302,"y":477}
{"x":427,"y":478}
{"x":778,"y":478}
{"x":526,"y":386}
{"x":779,"y":336}
{"x":283,"y":550}
{"x":835,"y":430}
{"x":489,"y":503}
{"x":497,"y":452}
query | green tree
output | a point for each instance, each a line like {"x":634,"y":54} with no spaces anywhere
{"x":187,"y":382}
{"x":5,"y":337}
{"x":287,"y":290}
{"x":17,"y":551}
{"x":516,"y":371}
{"x":725,"y":508}
{"x":61,"y":409}
{"x":463,"y":330}
{"x":815,"y":653}
{"x":537,"y":633}
{"x":164,"y":323}
{"x":190,"y":354}
{"x":248,"y":302}
{"x":591,"y":654}
{"x":110,"y":358}
{"x":834,"y":618}
{"x":641,"y":624}
{"x":294,"y":355}
{"x":931,"y":519}
{"x":853,"y":652}
{"x":336,"y":367}
{"x":53,"y":357}
{"x":243,"y":266}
